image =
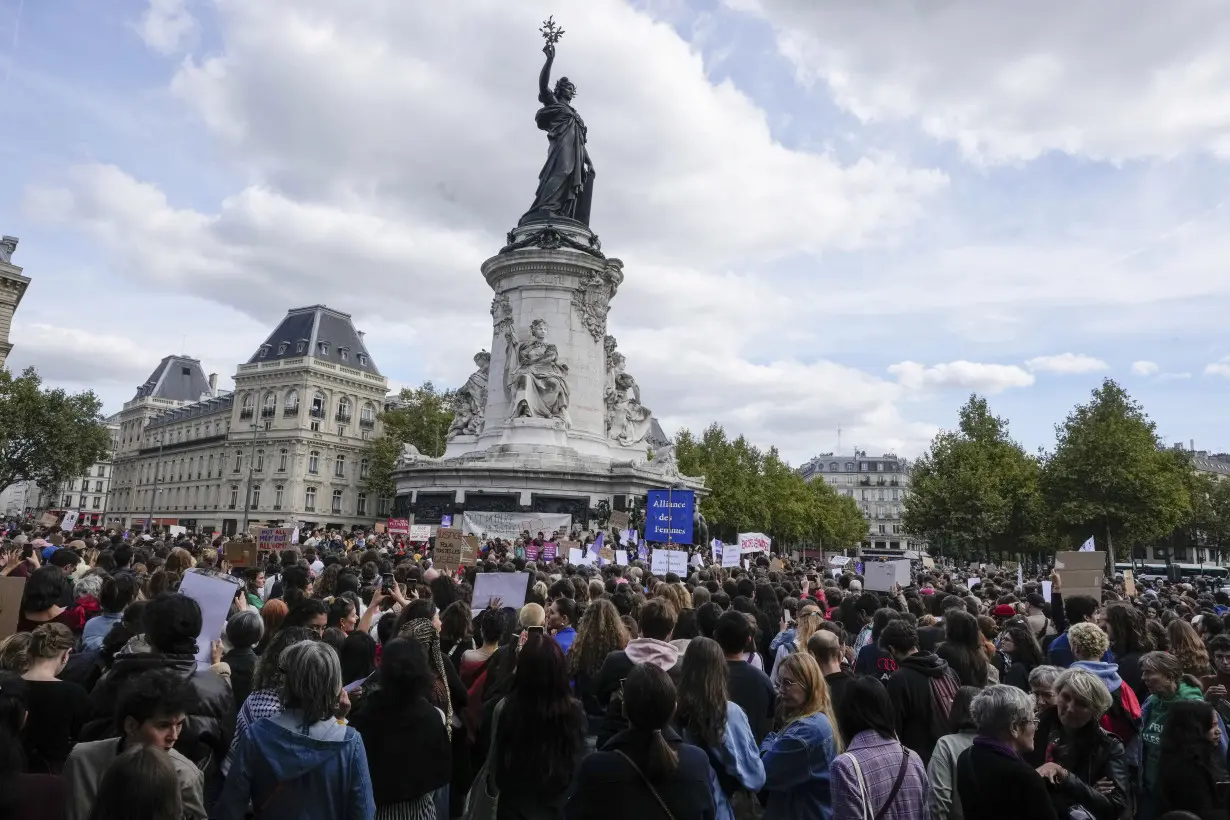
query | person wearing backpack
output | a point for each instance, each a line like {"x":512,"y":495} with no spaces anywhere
{"x":921,"y":690}
{"x":877,"y":778}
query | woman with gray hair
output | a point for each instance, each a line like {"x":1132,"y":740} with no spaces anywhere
{"x":302,"y":762}
{"x":1042,"y":685}
{"x":1085,"y":766}
{"x":993,"y":781}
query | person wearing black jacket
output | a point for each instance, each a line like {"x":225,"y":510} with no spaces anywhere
{"x":1080,"y":755}
{"x":749,"y":687}
{"x":172,"y":625}
{"x":395,"y":711}
{"x":646,"y":770}
{"x":1191,"y":776}
{"x":921,"y":690}
{"x":993,"y":781}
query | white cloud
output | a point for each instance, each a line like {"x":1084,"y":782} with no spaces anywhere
{"x":987,"y":378}
{"x":1066,"y":364}
{"x":167,"y":26}
{"x":1174,"y":377}
{"x":1145,"y":368}
{"x":385,"y":147}
{"x":1009,"y":82}
{"x":1219,"y":368}
{"x":76,"y":356}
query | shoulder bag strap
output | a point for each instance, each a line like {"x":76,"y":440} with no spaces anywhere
{"x":862,"y":787}
{"x":648,"y":783}
{"x":905,"y":764}
{"x":491,"y":761}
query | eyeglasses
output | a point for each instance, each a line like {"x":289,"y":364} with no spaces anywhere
{"x":784,"y":683}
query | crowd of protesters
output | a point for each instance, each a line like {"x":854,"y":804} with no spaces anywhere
{"x":355,"y":680}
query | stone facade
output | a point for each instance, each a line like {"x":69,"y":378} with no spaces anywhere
{"x":879,"y":485}
{"x":12,"y":288}
{"x":284,"y":448}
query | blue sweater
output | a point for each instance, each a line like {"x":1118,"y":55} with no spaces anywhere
{"x":796,"y":766}
{"x":290,"y":771}
{"x":1061,"y":655}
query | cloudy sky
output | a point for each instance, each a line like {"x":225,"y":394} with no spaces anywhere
{"x":830,"y":213}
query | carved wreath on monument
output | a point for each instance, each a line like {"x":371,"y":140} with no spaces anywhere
{"x":593,"y":302}
{"x":535,"y":381}
{"x":470,"y":402}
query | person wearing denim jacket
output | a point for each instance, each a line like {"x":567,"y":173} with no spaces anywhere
{"x":796,"y":759}
{"x":735,"y":764}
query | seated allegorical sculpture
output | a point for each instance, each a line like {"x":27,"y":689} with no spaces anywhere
{"x":536,"y":381}
{"x":470,"y":402}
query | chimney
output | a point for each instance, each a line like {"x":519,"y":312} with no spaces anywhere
{"x":1193,"y":447}
{"x":213,"y":384}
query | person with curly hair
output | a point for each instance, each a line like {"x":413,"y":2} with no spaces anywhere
{"x":599,"y":633}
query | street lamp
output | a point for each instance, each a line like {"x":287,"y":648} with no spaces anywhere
{"x":247,"y":501}
{"x":149,"y":522}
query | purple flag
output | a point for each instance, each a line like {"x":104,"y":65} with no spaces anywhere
{"x":596,"y":547}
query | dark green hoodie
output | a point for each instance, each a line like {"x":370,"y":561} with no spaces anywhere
{"x":1153,"y":718}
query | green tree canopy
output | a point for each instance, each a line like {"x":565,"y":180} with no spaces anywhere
{"x":976,"y":489}
{"x":1108,"y":476}
{"x":421,"y":417}
{"x":47,"y":436}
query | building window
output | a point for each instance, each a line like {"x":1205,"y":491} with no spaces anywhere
{"x":256,"y":497}
{"x":301,"y":346}
{"x":384,"y":505}
{"x":291,"y":408}
{"x":363,"y":359}
{"x":68,"y":501}
{"x":260,"y":461}
{"x":179,"y":476}
{"x":318,"y":405}
{"x":248,"y":407}
{"x":238,"y":462}
{"x":277,"y":497}
{"x":343,"y":411}
{"x":211,"y":468}
{"x":314,"y":462}
{"x":234,"y":497}
{"x":269,"y":406}
{"x":322,"y":348}
{"x":283,"y":457}
{"x":364,"y":468}
{"x":282,"y":347}
{"x":339,"y":467}
{"x":337,"y":501}
{"x":102,"y":471}
{"x":361,"y":506}
{"x":97,"y":503}
{"x":849,"y":466}
{"x":264,"y":350}
{"x":309,"y":499}
{"x":344,"y":353}
{"x":367,"y":416}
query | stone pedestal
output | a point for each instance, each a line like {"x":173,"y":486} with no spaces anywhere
{"x":545,"y":453}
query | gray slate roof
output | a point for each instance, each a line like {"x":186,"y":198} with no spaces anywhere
{"x":302,"y":332}
{"x":177,"y":378}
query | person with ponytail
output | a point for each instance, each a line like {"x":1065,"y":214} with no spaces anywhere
{"x":646,"y":770}
{"x":57,"y":708}
{"x":23,"y":796}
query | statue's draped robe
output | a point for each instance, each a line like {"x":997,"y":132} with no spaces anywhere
{"x":564,"y":189}
{"x":538,"y":384}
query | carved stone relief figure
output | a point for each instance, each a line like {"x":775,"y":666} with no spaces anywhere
{"x":470,"y":402}
{"x":535,"y":380}
{"x":501,"y":314}
{"x":593,"y":301}
{"x":628,"y":422}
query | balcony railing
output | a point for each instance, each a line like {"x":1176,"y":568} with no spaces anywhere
{"x":268,"y":412}
{"x":231,"y":506}
{"x":291,"y":411}
{"x":317,"y":412}
{"x":342,"y":418}
{"x":277,"y":507}
{"x":309,"y":508}
{"x":367,"y":424}
{"x":246,"y":413}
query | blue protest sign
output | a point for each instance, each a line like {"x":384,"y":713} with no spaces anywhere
{"x":669,"y":516}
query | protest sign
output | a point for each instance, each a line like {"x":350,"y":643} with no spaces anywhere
{"x":776,"y":565}
{"x":754,"y":542}
{"x":881,"y":575}
{"x":274,"y":538}
{"x":620,"y":520}
{"x":642,"y":552}
{"x":452,"y":550}
{"x":47,"y":520}
{"x":664,"y":561}
{"x":10,"y":604}
{"x":550,"y":551}
{"x":214,"y":594}
{"x":731,"y":556}
{"x":531,"y":552}
{"x":419,"y":533}
{"x":509,"y":526}
{"x":1129,"y":583}
{"x":241,"y":554}
{"x":669,"y":517}
{"x":577,"y":557}
{"x":621,"y":558}
{"x":399,"y":526}
{"x":446,"y":522}
{"x":607,"y":555}
{"x":70,"y":520}
{"x":508,"y":587}
{"x":972,"y":581}
{"x":381,"y":527}
{"x":1046,"y":591}
{"x":1082,"y":573}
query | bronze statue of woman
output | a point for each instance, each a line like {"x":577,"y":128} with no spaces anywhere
{"x":566,"y":182}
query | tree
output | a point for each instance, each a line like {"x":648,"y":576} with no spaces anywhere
{"x":975,"y":490}
{"x":47,"y":436}
{"x":420,"y":417}
{"x":1109,"y":478}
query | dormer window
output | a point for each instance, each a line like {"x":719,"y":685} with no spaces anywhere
{"x":322,"y":348}
{"x":302,"y":346}
{"x":264,"y":351}
{"x":363,"y":359}
{"x":344,"y":353}
{"x":282,"y":347}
